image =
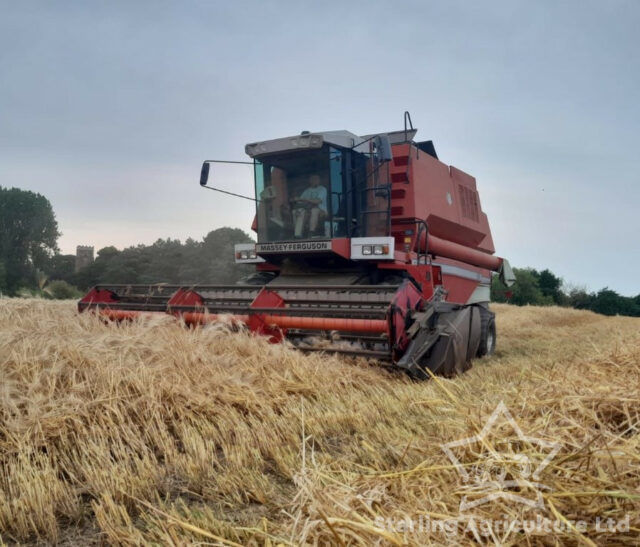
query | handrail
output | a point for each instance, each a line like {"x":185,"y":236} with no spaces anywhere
{"x":407,"y":118}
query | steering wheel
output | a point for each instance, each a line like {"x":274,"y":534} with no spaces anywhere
{"x":299,"y":203}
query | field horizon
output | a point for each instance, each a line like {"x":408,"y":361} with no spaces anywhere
{"x":149,"y":432}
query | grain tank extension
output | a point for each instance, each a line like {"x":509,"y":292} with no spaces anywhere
{"x":366,"y":245}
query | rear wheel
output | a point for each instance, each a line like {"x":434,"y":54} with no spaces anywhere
{"x":487,"y":333}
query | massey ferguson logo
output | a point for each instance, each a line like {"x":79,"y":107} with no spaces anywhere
{"x":293,"y":247}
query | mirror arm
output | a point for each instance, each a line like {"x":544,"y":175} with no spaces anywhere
{"x":229,"y":193}
{"x":204,"y":177}
{"x":229,"y":161}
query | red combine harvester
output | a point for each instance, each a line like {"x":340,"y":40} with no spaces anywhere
{"x":367,"y":246}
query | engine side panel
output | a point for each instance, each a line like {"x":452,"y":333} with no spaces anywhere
{"x":446,"y":197}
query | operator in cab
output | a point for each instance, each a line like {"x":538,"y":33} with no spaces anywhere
{"x":310,"y":207}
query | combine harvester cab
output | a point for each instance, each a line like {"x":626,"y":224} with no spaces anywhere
{"x":367,"y":246}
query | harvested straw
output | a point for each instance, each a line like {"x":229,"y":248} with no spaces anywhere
{"x":150,"y":432}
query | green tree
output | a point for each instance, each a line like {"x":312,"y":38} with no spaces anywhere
{"x":61,"y":267}
{"x":580,"y":299}
{"x":28,"y":235}
{"x":107,"y":253}
{"x":170,"y":261}
{"x":128,"y":266}
{"x":3,"y":278}
{"x":61,"y":290}
{"x":218,"y":252}
{"x":550,"y":286}
{"x":194,"y":268}
{"x":499,"y":292}
{"x":608,"y":302}
{"x":524,"y":291}
{"x":93,"y":273}
{"x":162,"y":262}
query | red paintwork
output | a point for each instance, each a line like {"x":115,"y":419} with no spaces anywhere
{"x":190,"y":318}
{"x":270,"y":325}
{"x":328,"y":323}
{"x":96,"y":296}
{"x":201,"y":318}
{"x":459,"y":236}
{"x":445,"y":197}
{"x":459,"y":246}
{"x":447,"y":200}
{"x":436,"y":272}
{"x":406,"y":299}
{"x":257,"y":322}
{"x":185,"y":297}
{"x":275,"y":325}
{"x":266,"y":267}
{"x":342,"y":247}
{"x":459,"y":288}
{"x":441,"y":247}
{"x":127,"y":315}
{"x":421,"y":274}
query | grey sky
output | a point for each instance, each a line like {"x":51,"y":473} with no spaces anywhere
{"x":109,"y":108}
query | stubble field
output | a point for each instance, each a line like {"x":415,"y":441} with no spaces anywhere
{"x":149,"y":432}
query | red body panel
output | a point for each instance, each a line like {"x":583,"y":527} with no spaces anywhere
{"x":98,"y":295}
{"x":458,"y":233}
{"x":441,"y":247}
{"x":445,"y":197}
{"x":457,"y":240}
{"x":442,"y":241}
{"x":258,"y":322}
{"x":274,"y":326}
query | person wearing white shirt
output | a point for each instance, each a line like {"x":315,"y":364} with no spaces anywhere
{"x":311,"y":205}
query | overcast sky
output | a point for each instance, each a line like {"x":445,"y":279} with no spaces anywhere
{"x":108,"y":109}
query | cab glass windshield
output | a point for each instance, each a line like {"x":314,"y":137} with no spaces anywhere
{"x":300,"y":195}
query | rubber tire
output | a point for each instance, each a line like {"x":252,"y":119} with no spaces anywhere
{"x":487,"y":333}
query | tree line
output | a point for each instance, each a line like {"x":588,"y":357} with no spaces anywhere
{"x":208,"y":261}
{"x":31,"y":264}
{"x":544,"y":288}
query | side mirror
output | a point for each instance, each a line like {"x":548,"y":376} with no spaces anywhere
{"x":383,"y":148}
{"x":506,"y":274}
{"x":204,"y":174}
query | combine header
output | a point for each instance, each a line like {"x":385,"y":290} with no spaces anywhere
{"x":367,"y":246}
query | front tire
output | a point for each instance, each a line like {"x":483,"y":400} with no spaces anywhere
{"x":487,"y":333}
